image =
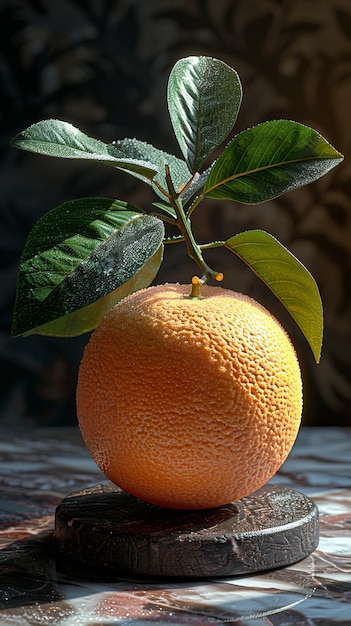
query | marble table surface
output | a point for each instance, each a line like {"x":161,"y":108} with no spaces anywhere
{"x":39,"y":468}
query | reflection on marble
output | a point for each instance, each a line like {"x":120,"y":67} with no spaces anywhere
{"x":40,"y":468}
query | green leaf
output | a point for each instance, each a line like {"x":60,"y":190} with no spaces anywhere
{"x":269,"y":159}
{"x":287,"y":277}
{"x":166,"y":208}
{"x":135,"y":149}
{"x":75,"y":256}
{"x":204,"y":97}
{"x":60,"y":139}
{"x":87,"y":318}
{"x":195,"y":187}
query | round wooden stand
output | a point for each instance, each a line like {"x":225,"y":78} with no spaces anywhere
{"x":104,"y":531}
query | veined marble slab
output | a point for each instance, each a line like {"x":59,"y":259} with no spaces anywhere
{"x":39,"y":468}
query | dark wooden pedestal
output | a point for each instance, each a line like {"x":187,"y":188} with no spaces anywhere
{"x":106,"y":532}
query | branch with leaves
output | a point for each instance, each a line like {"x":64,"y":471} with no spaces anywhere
{"x":84,"y":256}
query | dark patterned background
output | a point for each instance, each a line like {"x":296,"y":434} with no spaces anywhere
{"x":103,"y":66}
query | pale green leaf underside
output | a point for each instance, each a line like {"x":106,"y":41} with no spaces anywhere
{"x":63,"y":270}
{"x":269,"y":159}
{"x":60,"y":139}
{"x":287,"y":278}
{"x":204,"y":97}
{"x":196,"y":185}
{"x":166,"y":209}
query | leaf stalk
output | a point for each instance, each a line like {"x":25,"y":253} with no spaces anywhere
{"x":194,"y":250}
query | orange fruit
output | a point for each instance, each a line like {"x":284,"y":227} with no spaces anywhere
{"x":189,"y":403}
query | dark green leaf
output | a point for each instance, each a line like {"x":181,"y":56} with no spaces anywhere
{"x":204,"y":97}
{"x":135,"y":149}
{"x":75,"y":256}
{"x":269,"y":159}
{"x":60,"y":139}
{"x":289,"y":280}
{"x":87,"y":318}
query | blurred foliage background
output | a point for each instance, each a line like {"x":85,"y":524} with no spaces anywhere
{"x":103,"y":66}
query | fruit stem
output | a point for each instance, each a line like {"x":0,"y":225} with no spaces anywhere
{"x":196,"y":284}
